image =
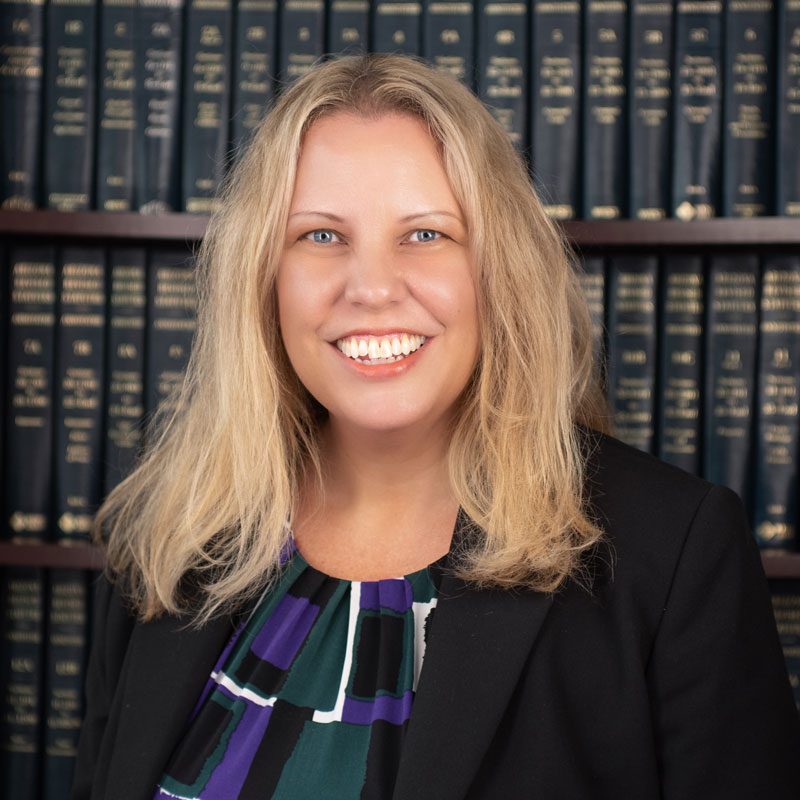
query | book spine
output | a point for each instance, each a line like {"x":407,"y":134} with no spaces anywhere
{"x":124,"y":409}
{"x":448,"y":38}
{"x":171,"y":315}
{"x":680,"y":370}
{"x":697,"y":113}
{"x":159,"y":40}
{"x":116,"y":106}
{"x":593,"y":283}
{"x":633,"y":283}
{"x":502,"y":56}
{"x":748,"y":103}
{"x":29,"y":426}
{"x":786,"y":607}
{"x":254,"y":69}
{"x":80,"y":358}
{"x":21,"y":672}
{"x":731,"y":327}
{"x":397,"y":27}
{"x":787,"y":125}
{"x":556,"y":60}
{"x":65,"y":662}
{"x":69,"y":104}
{"x":302,"y":37}
{"x":778,"y":428}
{"x":348,"y":27}
{"x":207,"y":102}
{"x":21,"y":71}
{"x":650,"y":109}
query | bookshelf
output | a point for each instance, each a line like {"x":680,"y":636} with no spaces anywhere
{"x":585,"y":235}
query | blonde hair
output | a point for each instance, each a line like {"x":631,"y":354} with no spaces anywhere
{"x":199,"y":524}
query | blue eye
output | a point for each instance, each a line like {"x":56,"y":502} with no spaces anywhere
{"x":428,"y":235}
{"x":321,"y":236}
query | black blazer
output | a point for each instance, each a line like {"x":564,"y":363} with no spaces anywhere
{"x":667,"y":682}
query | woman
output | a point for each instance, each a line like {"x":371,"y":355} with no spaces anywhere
{"x":389,"y":454}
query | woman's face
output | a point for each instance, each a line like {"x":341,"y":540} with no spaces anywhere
{"x":376,"y":299}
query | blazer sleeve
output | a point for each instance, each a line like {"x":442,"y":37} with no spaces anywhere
{"x":725,"y":721}
{"x":112,"y":626}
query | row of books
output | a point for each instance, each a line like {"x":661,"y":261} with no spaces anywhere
{"x":630,"y":108}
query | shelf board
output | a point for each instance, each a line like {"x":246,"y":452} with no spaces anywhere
{"x":189,"y":228}
{"x":73,"y":556}
{"x":86,"y":556}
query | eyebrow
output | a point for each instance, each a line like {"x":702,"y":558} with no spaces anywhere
{"x":409,"y":218}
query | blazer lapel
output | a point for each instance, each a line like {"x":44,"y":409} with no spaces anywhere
{"x":167,"y":670}
{"x":479,"y":642}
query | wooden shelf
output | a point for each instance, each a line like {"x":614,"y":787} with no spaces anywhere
{"x":189,"y":228}
{"x":85,"y":556}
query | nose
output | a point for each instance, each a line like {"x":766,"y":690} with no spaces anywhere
{"x":374,"y":277}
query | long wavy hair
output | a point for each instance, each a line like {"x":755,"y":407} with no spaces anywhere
{"x":198,"y":527}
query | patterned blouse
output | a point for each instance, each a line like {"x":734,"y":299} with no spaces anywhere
{"x":312,"y":695}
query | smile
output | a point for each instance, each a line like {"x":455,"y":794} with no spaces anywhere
{"x":380,"y":349}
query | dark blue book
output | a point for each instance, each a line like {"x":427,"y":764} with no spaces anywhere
{"x":22,"y":598}
{"x":680,"y":364}
{"x":116,"y":106}
{"x":397,"y":27}
{"x":255,"y":65}
{"x":593,"y":282}
{"x":69,"y":123}
{"x":748,"y":107}
{"x":556,"y":59}
{"x":80,"y":361}
{"x":29,"y":387}
{"x":730,"y":376}
{"x":301,"y":42}
{"x":125,"y":359}
{"x":697,"y":110}
{"x":778,"y":409}
{"x":348,"y":27}
{"x":206,"y":97}
{"x":171,"y":322}
{"x":502,"y":68}
{"x":650,"y":109}
{"x":787,"y":113}
{"x":605,"y":104}
{"x":448,"y":38}
{"x":159,"y":40}
{"x":633,"y":283}
{"x":64,"y":676}
{"x":21,"y":71}
{"x":786,"y":607}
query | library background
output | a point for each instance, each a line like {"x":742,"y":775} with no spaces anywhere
{"x":664,"y":137}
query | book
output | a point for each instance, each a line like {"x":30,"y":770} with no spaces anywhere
{"x":116,"y":106}
{"x":787,"y":113}
{"x":650,"y":109}
{"x":21,"y":76}
{"x":255,"y":65}
{"x":124,"y":391}
{"x":730,"y":375}
{"x":605,"y":103}
{"x":448,"y":38}
{"x":556,"y":66}
{"x":301,"y":40}
{"x":633,"y":282}
{"x":69,"y":124}
{"x":502,"y":65}
{"x":159,"y":39}
{"x":748,"y":107}
{"x":348,"y":27}
{"x":680,"y":366}
{"x":593,"y":282}
{"x":786,"y":607}
{"x":206,"y":98}
{"x":397,"y":27}
{"x":778,"y":404}
{"x":80,"y":360}
{"x":697,"y":111}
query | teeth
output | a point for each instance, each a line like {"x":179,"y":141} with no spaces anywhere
{"x":372,"y":348}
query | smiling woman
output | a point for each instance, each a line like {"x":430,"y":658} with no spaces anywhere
{"x":381,"y":544}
